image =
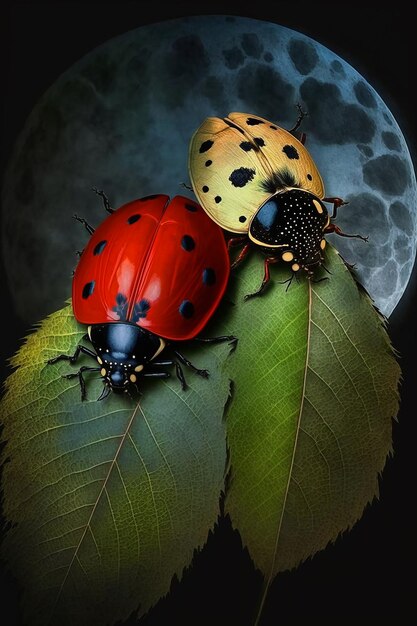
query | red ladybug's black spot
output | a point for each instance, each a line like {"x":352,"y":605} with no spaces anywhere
{"x":291,"y":152}
{"x":191,"y":207}
{"x":88,"y":289}
{"x":99,"y":247}
{"x":186,"y":309}
{"x":206,"y":145}
{"x":140,"y":310}
{"x":241,"y":176}
{"x":133,"y":218}
{"x":187,"y":243}
{"x":121,"y":306}
{"x":155,"y":195}
{"x":209,"y":276}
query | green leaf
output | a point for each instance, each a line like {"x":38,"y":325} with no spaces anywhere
{"x":309,"y":426}
{"x":106,"y":500}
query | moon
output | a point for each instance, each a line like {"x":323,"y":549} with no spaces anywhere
{"x":121,"y":120}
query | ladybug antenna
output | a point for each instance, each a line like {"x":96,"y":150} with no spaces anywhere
{"x":288,"y":281}
{"x":186,"y":186}
{"x":106,"y":202}
{"x":301,"y":115}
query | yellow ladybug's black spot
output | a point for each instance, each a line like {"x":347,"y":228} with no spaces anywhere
{"x":291,"y":152}
{"x":252,"y":121}
{"x":205,"y":189}
{"x":217,"y":199}
{"x":208,"y":163}
{"x":247,"y":146}
{"x":309,"y":176}
{"x":241,"y":176}
{"x":242,"y":219}
{"x":206,"y":145}
{"x":259,"y":141}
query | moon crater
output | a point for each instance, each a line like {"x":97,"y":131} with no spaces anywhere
{"x":121,"y":119}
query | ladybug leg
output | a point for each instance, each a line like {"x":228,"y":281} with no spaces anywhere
{"x":230,"y":338}
{"x":301,"y":115}
{"x":185,"y":361}
{"x":332,"y":228}
{"x":178,"y":371}
{"x":79,"y":374}
{"x":87,"y":226}
{"x":157,"y":375}
{"x":74,"y":357}
{"x":180,"y":375}
{"x":165,"y":362}
{"x":235,"y":241}
{"x":337,"y":202}
{"x":105,"y":199}
{"x":268,"y":261}
{"x":241,"y":256}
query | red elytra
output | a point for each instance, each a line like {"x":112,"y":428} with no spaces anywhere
{"x":162,"y":264}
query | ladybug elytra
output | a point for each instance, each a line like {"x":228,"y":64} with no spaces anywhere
{"x":152,"y":274}
{"x":254,"y":178}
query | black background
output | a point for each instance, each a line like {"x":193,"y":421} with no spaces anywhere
{"x":366,"y":573}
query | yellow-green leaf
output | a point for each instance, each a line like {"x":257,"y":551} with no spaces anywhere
{"x":106,"y":500}
{"x":309,"y":426}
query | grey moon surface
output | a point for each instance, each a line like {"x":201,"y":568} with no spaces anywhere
{"x":121,"y":119}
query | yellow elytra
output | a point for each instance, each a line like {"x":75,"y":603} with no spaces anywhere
{"x":238,"y":162}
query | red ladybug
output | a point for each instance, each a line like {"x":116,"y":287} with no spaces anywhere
{"x":153,"y":272}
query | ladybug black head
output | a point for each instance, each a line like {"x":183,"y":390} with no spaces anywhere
{"x":290,"y":225}
{"x":123,"y":350}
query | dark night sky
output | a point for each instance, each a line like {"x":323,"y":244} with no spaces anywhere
{"x":365,"y":573}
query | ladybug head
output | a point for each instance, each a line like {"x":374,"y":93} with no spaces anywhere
{"x":119,"y":377}
{"x":298,"y":262}
{"x":123,"y":350}
{"x":290,"y":225}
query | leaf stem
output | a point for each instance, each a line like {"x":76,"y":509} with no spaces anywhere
{"x":265,"y":590}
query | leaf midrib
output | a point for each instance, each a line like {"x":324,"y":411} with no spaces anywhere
{"x":99,"y":496}
{"x":271,"y":574}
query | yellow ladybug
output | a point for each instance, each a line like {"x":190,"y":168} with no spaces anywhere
{"x":254,"y":178}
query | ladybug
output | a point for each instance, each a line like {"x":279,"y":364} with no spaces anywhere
{"x":254,"y":178}
{"x":152,"y":273}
